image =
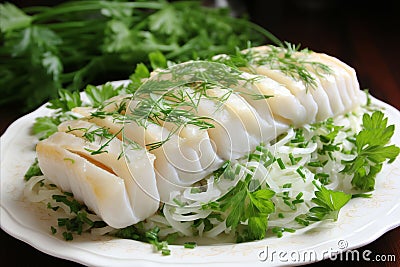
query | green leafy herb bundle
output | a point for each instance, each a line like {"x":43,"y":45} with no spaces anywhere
{"x":70,"y":45}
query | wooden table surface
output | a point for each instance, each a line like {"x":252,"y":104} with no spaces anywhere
{"x":365,"y":36}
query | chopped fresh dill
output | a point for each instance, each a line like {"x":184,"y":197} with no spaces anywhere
{"x":190,"y":245}
{"x":174,"y":95}
{"x":91,"y":135}
{"x":280,"y":163}
{"x":280,"y":230}
{"x":300,"y":172}
{"x":103,"y":146}
{"x":287,"y":58}
{"x":128,"y":144}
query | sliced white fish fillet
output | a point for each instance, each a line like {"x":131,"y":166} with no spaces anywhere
{"x":101,"y":190}
{"x":128,"y":161}
{"x":180,"y":161}
{"x":281,"y":107}
{"x":335,"y":92}
{"x":238,"y":128}
{"x":341,"y":71}
{"x":297,"y":88}
{"x":330,"y":85}
{"x":199,"y":140}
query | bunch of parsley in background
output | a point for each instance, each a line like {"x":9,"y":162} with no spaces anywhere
{"x":44,"y":49}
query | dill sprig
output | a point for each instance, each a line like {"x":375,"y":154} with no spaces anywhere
{"x":293,"y":62}
{"x":91,"y":135}
{"x":287,"y":58}
{"x":174,"y":95}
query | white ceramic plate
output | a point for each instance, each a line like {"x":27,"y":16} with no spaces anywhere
{"x":360,"y":222}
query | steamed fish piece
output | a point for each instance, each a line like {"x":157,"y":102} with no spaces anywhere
{"x":128,"y":160}
{"x":297,"y":88}
{"x":191,"y":146}
{"x":346,"y":80}
{"x":199,"y":140}
{"x":99,"y":188}
{"x":203,"y":89}
{"x":179,"y":162}
{"x":335,"y":91}
{"x":276,"y":104}
{"x":108,"y":115}
{"x":188,"y":148}
{"x":237,"y":127}
{"x":184,"y":157}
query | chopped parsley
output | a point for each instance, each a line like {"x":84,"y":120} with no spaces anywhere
{"x":34,"y":170}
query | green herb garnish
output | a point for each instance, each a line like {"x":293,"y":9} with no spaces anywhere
{"x":34,"y":170}
{"x":328,"y":204}
{"x":89,"y":42}
{"x":371,"y":151}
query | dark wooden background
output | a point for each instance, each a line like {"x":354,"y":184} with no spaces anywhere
{"x":364,"y":35}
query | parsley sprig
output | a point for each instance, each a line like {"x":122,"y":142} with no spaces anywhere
{"x":99,"y":94}
{"x":328,"y":204}
{"x":247,"y":206}
{"x":371,"y":151}
{"x":33,"y":170}
{"x":80,"y":42}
